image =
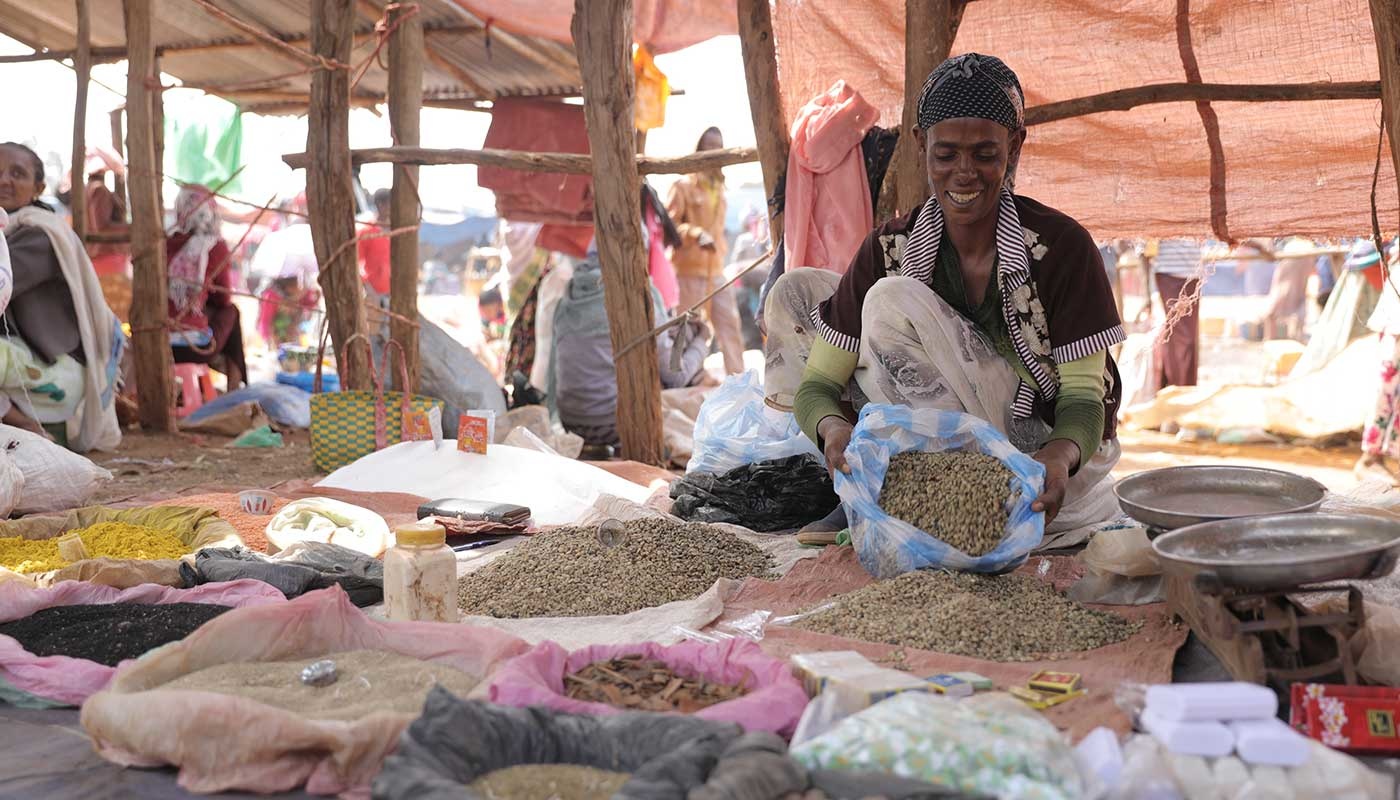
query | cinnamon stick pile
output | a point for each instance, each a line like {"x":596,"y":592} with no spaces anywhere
{"x":639,"y":684}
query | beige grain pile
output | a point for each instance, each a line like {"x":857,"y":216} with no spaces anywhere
{"x":568,"y":572}
{"x":994,"y":618}
{"x":369,"y":681}
{"x":549,"y":782}
{"x":960,"y":498}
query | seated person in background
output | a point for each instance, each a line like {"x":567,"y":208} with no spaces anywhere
{"x":583,"y":378}
{"x":60,"y":344}
{"x":204,"y":324}
{"x":283,"y":308}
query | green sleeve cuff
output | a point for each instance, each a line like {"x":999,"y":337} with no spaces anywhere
{"x":1079,"y":411}
{"x":829,"y":370}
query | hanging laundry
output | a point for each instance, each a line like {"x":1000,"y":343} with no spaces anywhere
{"x":204,"y":143}
{"x":540,"y":126}
{"x":829,"y":212}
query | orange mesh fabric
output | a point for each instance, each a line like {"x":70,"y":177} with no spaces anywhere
{"x":1289,"y":167}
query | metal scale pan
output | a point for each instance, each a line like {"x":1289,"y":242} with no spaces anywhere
{"x":1176,"y":497}
{"x":1281,"y":552}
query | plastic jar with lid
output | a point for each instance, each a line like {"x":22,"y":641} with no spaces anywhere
{"x":420,"y":575}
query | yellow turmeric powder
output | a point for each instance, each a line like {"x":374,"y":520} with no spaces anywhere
{"x":105,"y":539}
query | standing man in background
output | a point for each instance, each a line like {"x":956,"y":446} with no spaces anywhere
{"x":1174,"y":264}
{"x":696,"y":204}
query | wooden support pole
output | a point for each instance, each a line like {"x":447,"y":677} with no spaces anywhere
{"x":929,"y":29}
{"x":82,"y":73}
{"x":329,"y":188}
{"x":405,"y":103}
{"x":150,"y":334}
{"x":158,"y":134}
{"x":569,"y":163}
{"x":1385,"y":19}
{"x":602,"y":32}
{"x":765,"y":100}
{"x":1124,"y":99}
{"x":119,"y":181}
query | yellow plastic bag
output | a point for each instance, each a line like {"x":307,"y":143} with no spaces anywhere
{"x":653,"y":90}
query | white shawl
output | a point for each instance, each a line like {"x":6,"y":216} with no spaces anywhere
{"x":94,"y":427}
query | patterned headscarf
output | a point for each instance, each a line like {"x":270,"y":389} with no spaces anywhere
{"x":977,"y":86}
{"x":196,"y":216}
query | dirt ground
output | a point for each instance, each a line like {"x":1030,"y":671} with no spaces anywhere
{"x":148,"y":463}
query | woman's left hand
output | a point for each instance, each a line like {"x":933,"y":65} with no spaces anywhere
{"x":1059,"y":457}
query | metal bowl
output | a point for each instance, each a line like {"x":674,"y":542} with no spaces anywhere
{"x":1176,"y":497}
{"x":1282,"y":551}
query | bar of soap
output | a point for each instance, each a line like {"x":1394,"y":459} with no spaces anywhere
{"x":1189,"y":738}
{"x":1211,"y":701}
{"x":1269,"y":741}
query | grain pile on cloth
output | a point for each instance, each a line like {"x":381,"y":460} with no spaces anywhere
{"x":569,"y":572}
{"x":554,"y":781}
{"x":958,"y":497}
{"x":998,"y":618}
{"x":108,"y":633}
{"x":103,"y":540}
{"x":367,"y":682}
{"x":1144,"y":657}
{"x":251,"y":527}
{"x":221,"y":741}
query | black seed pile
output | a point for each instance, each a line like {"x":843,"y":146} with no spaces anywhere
{"x":108,"y":633}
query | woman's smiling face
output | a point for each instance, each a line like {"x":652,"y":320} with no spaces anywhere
{"x":967,"y":159}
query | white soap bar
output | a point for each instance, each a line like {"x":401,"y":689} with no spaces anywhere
{"x":1211,"y":701}
{"x":1100,"y":755}
{"x":1211,"y":739}
{"x":1269,"y":741}
{"x":1268,"y":783}
{"x":1231,"y":776}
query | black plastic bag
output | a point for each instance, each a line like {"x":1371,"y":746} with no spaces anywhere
{"x":311,"y":566}
{"x":773,"y":495}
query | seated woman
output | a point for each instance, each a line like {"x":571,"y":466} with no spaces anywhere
{"x":204,"y":324}
{"x":59,"y":343}
{"x":982,"y":301}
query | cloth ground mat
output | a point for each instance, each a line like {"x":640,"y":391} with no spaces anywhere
{"x":1146,"y":657}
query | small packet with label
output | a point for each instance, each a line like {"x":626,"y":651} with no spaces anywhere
{"x":423,"y":426}
{"x":473,"y":434}
{"x":950,"y":685}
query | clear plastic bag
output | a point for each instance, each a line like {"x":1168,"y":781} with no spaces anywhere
{"x":888,"y":546}
{"x":735,"y":427}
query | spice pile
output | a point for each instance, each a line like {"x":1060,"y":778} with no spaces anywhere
{"x":252,"y":528}
{"x":568,"y":572}
{"x":367,"y":682}
{"x":552,"y":781}
{"x":958,"y":497}
{"x":995,"y":618}
{"x":103,"y":540}
{"x":639,"y":684}
{"x":108,"y":633}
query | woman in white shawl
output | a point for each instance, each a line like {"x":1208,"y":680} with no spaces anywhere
{"x":60,"y":344}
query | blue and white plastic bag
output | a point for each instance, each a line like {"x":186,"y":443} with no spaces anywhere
{"x":888,"y":546}
{"x":735,"y":427}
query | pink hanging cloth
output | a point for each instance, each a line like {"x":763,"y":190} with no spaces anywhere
{"x":828,"y":212}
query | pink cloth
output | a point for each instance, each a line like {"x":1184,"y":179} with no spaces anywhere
{"x":542,"y":126}
{"x":72,"y":680}
{"x":774,"y":703}
{"x":828,"y":211}
{"x":663,"y":25}
{"x":659,"y":266}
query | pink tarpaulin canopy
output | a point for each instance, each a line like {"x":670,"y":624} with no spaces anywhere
{"x":662,"y":25}
{"x":1289,"y":167}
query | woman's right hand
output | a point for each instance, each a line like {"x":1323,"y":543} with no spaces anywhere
{"x":836,"y":434}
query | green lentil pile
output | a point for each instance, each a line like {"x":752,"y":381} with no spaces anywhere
{"x":549,"y":782}
{"x":994,"y":618}
{"x":568,"y":572}
{"x":960,"y":498}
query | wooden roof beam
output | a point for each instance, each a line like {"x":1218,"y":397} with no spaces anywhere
{"x":568,"y":163}
{"x":1125,"y":99}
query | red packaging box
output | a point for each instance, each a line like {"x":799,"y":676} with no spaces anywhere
{"x":1353,"y":719}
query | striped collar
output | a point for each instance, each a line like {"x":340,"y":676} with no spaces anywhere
{"x":920,"y":256}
